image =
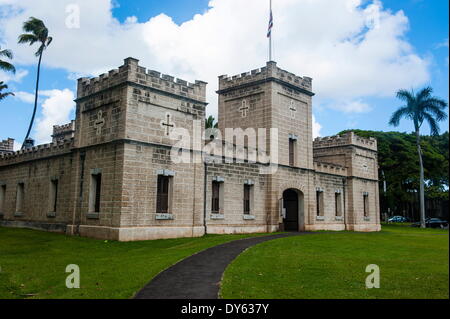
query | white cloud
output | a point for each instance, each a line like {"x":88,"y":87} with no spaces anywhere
{"x":17,"y":146}
{"x":352,"y":48}
{"x":13,"y":77}
{"x":355,"y":106}
{"x":316,"y":127}
{"x":56,"y":110}
{"x":24,"y":97}
{"x":443,"y":44}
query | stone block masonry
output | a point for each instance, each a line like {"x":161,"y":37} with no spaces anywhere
{"x":109,"y":173}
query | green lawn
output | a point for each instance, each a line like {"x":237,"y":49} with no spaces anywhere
{"x":33,"y":263}
{"x":413,"y":264}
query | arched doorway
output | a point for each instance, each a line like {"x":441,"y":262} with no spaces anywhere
{"x":293,"y":219}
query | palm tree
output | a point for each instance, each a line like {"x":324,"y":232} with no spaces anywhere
{"x":420,"y":107}
{"x":37,"y":32}
{"x":4,"y":87}
{"x":209,"y":122}
{"x":6,"y":66}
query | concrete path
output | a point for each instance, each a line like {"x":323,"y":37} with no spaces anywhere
{"x":199,"y":276}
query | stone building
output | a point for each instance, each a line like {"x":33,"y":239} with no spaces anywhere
{"x":7,"y":146}
{"x":112,"y":173}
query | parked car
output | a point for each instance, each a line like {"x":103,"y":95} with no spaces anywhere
{"x":433,"y":223}
{"x":398,"y":219}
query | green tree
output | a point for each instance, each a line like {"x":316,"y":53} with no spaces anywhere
{"x":36,"y":32}
{"x":6,"y":66}
{"x":210,"y":122}
{"x":5,"y":94}
{"x":397,"y":158}
{"x":420,"y":107}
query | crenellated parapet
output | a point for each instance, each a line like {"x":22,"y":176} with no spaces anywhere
{"x":349,"y":138}
{"x":269,"y":72}
{"x":132,"y":72}
{"x":63,"y":132}
{"x":329,"y":168}
{"x":37,"y":152}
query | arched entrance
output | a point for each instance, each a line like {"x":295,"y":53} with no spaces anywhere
{"x":293,"y":219}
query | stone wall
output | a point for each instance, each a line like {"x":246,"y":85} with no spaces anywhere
{"x":126,"y":124}
{"x":7,"y":146}
{"x":231,"y":218}
{"x":35,"y":169}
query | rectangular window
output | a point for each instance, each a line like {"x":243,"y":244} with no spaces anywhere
{"x":319,"y":203}
{"x":338,"y":204}
{"x":53,"y":195}
{"x":247,"y":192}
{"x":366,"y":205}
{"x":95,"y":193}
{"x":2,"y":198}
{"x":19,"y":197}
{"x":292,"y":143}
{"x":215,"y":204}
{"x":162,"y":196}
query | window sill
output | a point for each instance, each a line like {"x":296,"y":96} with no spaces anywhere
{"x":93,"y":215}
{"x":18,"y":214}
{"x":249,"y":217}
{"x":164,"y":217}
{"x":51,"y":214}
{"x":320,"y":218}
{"x":217,"y":216}
{"x":339,"y":218}
{"x":367,"y":219}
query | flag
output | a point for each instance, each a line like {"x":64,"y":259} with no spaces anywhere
{"x":269,"y":32}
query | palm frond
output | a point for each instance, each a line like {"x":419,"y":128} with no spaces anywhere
{"x":37,"y":32}
{"x":3,"y":86}
{"x":432,"y":122}
{"x":5,"y":95}
{"x":406,"y":96}
{"x":424,"y":94}
{"x":33,"y":25}
{"x":436,"y":106}
{"x":28,"y":38}
{"x":6,"y":53}
{"x":404,"y":111}
{"x":8,"y":67}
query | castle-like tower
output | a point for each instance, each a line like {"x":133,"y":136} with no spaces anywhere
{"x":7,"y":146}
{"x":111,"y":174}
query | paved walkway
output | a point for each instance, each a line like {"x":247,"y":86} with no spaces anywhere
{"x":199,"y":276}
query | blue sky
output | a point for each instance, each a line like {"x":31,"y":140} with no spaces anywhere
{"x":427,"y":34}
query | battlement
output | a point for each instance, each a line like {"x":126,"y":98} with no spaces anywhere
{"x":329,"y":168}
{"x":130,"y":71}
{"x":349,"y":138}
{"x":36,"y":152}
{"x":7,"y":146}
{"x":63,"y":132}
{"x":270,"y":71}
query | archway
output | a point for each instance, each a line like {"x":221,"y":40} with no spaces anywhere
{"x":293,"y":219}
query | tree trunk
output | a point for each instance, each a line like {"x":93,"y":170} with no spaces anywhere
{"x":421,"y":188}
{"x":35,"y":101}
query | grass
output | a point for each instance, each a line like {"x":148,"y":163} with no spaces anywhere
{"x":413,"y":264}
{"x":33,"y":263}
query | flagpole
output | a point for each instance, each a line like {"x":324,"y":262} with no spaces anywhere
{"x":270,"y":38}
